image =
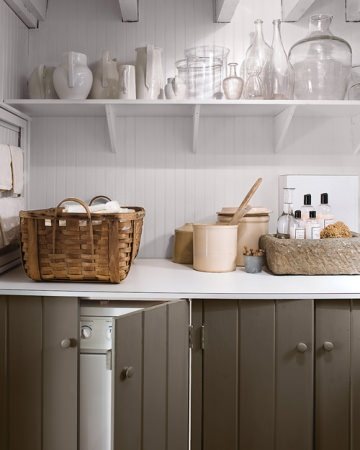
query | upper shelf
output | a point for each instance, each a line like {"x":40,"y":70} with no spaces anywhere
{"x":185,"y":108}
{"x":282,"y":112}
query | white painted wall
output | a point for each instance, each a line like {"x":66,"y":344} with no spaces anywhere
{"x":155,"y":168}
{"x":14,"y":43}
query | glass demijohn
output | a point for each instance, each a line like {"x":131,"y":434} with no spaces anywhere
{"x":282,"y":73}
{"x":322,"y":63}
{"x":233,"y":85}
{"x":257,"y":67}
{"x":287,"y":217}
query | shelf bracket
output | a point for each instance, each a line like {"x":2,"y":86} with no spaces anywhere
{"x":196,"y":123}
{"x":129,"y":10}
{"x":282,"y":122}
{"x":355,"y":128}
{"x":293,"y":10}
{"x":111,"y":123}
{"x":224,"y":10}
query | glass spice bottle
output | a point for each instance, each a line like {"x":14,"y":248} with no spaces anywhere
{"x":233,"y":85}
{"x":282,"y":73}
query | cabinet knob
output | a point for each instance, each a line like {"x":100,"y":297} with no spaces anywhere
{"x":302,"y":347}
{"x":127,"y":372}
{"x":68,"y":343}
{"x":328,"y":346}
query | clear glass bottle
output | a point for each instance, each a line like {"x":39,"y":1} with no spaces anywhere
{"x":233,"y":85}
{"x":323,"y":212}
{"x":282,"y":73}
{"x":297,"y":228}
{"x":257,"y":67}
{"x":287,"y":217}
{"x":312,"y":227}
{"x":322,"y":63}
{"x":306,"y":207}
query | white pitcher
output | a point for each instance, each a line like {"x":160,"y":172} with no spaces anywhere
{"x":127,"y":84}
{"x":106,"y":78}
{"x":73,"y":78}
{"x":40,"y":84}
{"x":149,"y":73}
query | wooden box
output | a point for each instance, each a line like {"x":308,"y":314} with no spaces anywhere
{"x":336,"y":256}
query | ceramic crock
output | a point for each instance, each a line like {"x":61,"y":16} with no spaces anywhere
{"x":40,"y":84}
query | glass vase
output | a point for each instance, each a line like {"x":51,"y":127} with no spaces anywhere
{"x":233,"y":85}
{"x":282,"y":73}
{"x":257,"y":67}
{"x":322,"y":63}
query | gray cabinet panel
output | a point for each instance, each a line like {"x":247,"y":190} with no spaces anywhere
{"x":355,"y":374}
{"x":25,"y":373}
{"x":3,"y":374}
{"x":60,"y":373}
{"x":294,"y":374}
{"x":257,"y":375}
{"x":150,"y":377}
{"x":220,"y":380}
{"x":332,"y":390}
{"x":196,"y":376}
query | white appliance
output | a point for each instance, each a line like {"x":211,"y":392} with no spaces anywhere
{"x":96,"y":324}
{"x":343,"y":193}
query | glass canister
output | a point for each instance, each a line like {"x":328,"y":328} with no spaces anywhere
{"x":215,"y":55}
{"x":322,"y":63}
{"x":203,"y":78}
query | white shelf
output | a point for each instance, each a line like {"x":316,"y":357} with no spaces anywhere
{"x":155,"y":279}
{"x":283,"y":112}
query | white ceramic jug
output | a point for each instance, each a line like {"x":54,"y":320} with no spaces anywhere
{"x":106,"y":78}
{"x":40,"y":84}
{"x":149,"y":73}
{"x":73,"y":78}
{"x":127,"y":83}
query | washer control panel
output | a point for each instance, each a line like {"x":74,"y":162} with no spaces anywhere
{"x":95,"y":334}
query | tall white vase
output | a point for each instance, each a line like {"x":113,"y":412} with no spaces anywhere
{"x":149,"y":73}
{"x":73,"y":79}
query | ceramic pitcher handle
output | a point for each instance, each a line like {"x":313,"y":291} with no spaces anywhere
{"x":126,"y":80}
{"x":149,"y":76}
{"x":71,"y":74}
{"x":105,"y":65}
{"x":40,"y":71}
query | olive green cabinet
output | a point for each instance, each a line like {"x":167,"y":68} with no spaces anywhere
{"x":276,"y":375}
{"x":38,"y":373}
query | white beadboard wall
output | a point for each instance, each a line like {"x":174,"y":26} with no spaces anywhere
{"x":14,"y":46}
{"x":155,"y":167}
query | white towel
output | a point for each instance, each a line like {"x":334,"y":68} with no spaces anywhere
{"x":17,"y":164}
{"x":5,"y":168}
{"x":102,"y":208}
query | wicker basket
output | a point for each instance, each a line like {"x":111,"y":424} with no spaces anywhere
{"x":79,"y":247}
{"x":312,"y":257}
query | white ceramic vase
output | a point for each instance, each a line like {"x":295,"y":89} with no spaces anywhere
{"x":73,"y":79}
{"x":149,"y":73}
{"x":40,"y":84}
{"x":106,"y":78}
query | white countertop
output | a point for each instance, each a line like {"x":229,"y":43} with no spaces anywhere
{"x":151,"y":279}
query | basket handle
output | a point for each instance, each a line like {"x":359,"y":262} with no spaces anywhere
{"x":88,"y":213}
{"x":97,"y":197}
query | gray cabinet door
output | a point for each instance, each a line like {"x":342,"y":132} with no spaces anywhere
{"x":3,"y":374}
{"x":294,"y":374}
{"x":60,"y":373}
{"x":150,"y":379}
{"x":25,"y":373}
{"x":332,"y":390}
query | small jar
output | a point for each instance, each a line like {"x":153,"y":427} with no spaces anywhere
{"x":233,"y":85}
{"x":254,"y":264}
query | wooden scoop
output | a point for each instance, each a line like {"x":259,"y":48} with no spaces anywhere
{"x":242,"y":209}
